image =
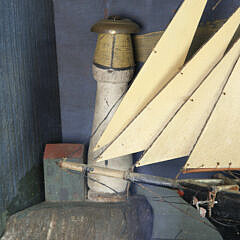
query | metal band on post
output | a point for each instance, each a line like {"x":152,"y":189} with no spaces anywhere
{"x":113,"y":68}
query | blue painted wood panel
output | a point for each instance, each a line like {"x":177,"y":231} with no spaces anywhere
{"x":29,"y":100}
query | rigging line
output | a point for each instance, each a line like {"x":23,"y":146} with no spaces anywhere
{"x":237,"y":174}
{"x":179,"y":209}
{"x":231,"y":174}
{"x":84,"y":173}
{"x":170,"y":196}
{"x":227,"y":220}
{"x":178,"y":234}
{"x":215,"y":6}
{"x":178,"y":174}
{"x":180,"y":203}
{"x":223,"y":224}
{"x":103,"y":184}
{"x":106,"y":116}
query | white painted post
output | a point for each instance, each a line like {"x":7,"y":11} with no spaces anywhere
{"x":113,"y":68}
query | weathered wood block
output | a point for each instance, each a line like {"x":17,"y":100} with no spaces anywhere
{"x":63,"y":185}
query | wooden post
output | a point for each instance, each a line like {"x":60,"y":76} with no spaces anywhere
{"x":113,"y":68}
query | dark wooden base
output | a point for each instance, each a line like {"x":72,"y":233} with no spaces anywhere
{"x":128,"y":220}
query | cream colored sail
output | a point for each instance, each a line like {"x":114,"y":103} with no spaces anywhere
{"x":219,"y":144}
{"x":150,"y":122}
{"x":181,"y":133}
{"x":163,"y":63}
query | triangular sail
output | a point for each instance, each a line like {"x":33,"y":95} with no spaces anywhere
{"x":168,"y":56}
{"x":146,"y":126}
{"x":219,"y":144}
{"x":181,"y":133}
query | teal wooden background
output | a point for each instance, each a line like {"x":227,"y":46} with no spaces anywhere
{"x":29,"y":100}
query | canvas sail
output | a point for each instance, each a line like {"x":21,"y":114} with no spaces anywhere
{"x":181,"y":133}
{"x":150,"y":80}
{"x":140,"y":133}
{"x":218,"y":146}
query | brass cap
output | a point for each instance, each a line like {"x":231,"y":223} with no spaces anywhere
{"x":115,"y":25}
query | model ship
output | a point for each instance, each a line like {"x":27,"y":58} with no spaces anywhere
{"x":173,"y":110}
